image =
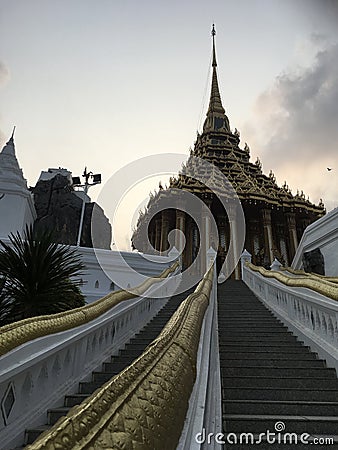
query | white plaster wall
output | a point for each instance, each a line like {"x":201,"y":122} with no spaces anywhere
{"x":16,"y":211}
{"x":104,"y":267}
{"x":322,"y":234}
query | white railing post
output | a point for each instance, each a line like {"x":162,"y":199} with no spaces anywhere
{"x":276,"y":265}
{"x":174,"y":255}
{"x":245,"y":257}
{"x":211,"y":258}
{"x":205,"y":409}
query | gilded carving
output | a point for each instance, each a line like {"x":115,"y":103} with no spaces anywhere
{"x":309,"y":281}
{"x":143,"y":407}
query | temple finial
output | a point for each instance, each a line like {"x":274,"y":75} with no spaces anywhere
{"x":11,"y":139}
{"x":213,"y":34}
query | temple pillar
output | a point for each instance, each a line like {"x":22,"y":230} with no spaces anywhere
{"x":180,"y":225}
{"x":157,"y":234}
{"x":266,"y":215}
{"x":291,"y":224}
{"x":205,"y":238}
{"x":152,"y":238}
{"x":253,"y":244}
{"x":189,"y":242}
{"x":222,"y":245}
{"x":196,"y":245}
{"x":222,"y":232}
{"x":233,"y":238}
{"x":164,"y":231}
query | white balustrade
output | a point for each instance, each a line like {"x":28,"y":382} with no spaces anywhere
{"x":37,"y":375}
{"x":311,"y":316}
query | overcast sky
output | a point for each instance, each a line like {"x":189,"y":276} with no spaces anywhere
{"x":103,"y":83}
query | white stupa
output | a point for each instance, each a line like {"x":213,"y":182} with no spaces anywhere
{"x":16,"y":201}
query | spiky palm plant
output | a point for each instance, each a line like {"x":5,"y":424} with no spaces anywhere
{"x":35,"y":276}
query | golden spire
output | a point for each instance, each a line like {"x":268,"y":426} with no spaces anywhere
{"x":215,"y":104}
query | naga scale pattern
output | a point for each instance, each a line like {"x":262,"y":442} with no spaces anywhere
{"x":144,"y":406}
{"x":309,"y":281}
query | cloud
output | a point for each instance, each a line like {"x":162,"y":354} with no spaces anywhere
{"x":294,"y":128}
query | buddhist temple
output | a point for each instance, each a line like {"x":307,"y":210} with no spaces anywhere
{"x":275,"y":218}
{"x":17,"y":208}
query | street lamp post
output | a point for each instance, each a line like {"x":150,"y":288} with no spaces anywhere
{"x":85,"y":187}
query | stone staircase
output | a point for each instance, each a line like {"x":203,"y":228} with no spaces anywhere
{"x":270,"y":380}
{"x":134,"y":348}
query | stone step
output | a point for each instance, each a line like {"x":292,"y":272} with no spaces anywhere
{"x":53,"y":415}
{"x":259,"y":338}
{"x":117,"y":366}
{"x":146,"y":338}
{"x":134,"y":353}
{"x":239,"y":303}
{"x":158,"y":322}
{"x":272,"y":331}
{"x":140,"y":341}
{"x":282,"y":346}
{"x":136,"y":345}
{"x":153,"y":328}
{"x":279,"y":393}
{"x":149,"y":333}
{"x":247,"y":315}
{"x":120,"y":360}
{"x":103,"y":377}
{"x":291,"y":407}
{"x":291,"y":354}
{"x":88,"y":387}
{"x":74,"y":399}
{"x":248,"y":323}
{"x":276,"y":382}
{"x":263,"y":328}
{"x":279,"y":372}
{"x":32,"y":434}
{"x":289,"y":363}
{"x":293,"y":424}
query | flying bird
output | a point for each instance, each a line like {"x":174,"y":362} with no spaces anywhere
{"x":329,"y":169}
